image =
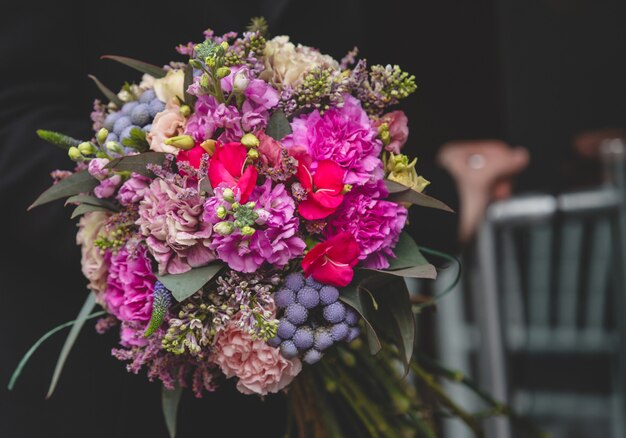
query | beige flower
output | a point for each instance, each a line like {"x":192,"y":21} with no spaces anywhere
{"x":398,"y":169}
{"x":168,"y":123}
{"x":94,"y":268}
{"x":170,"y":86}
{"x":286,"y":64}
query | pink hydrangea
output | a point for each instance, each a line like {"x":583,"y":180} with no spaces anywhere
{"x":130,"y":285}
{"x":375,"y":223}
{"x":344,"y":135}
{"x":261,"y":369}
{"x":170,"y":219}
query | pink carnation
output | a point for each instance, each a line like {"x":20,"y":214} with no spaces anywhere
{"x":170,"y":219}
{"x":93,"y":263}
{"x":130,"y":285}
{"x":133,"y":190}
{"x":343,"y":135}
{"x":261,"y":369}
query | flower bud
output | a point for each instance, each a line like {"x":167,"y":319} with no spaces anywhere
{"x":204,"y":81}
{"x":235,"y":206}
{"x":222,"y":72}
{"x":87,"y":148}
{"x":223,"y":228}
{"x":346,"y":188}
{"x":114,"y":147}
{"x":74,"y":153}
{"x":195,"y":64}
{"x":250,"y":141}
{"x":224,"y":45}
{"x":184,"y":142}
{"x":383,"y":133}
{"x":228,"y":195}
{"x":253,"y":153}
{"x":210,"y":62}
{"x":185,"y":111}
{"x":221,"y":212}
{"x":248,"y":231}
{"x":209,"y":146}
{"x":102,"y":135}
{"x":251,"y":204}
{"x":240,"y":82}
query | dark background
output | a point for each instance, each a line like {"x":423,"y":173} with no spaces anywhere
{"x":532,"y":72}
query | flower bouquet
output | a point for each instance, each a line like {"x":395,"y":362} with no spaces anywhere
{"x":241,"y":217}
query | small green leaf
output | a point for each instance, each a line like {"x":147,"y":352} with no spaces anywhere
{"x":137,"y":140}
{"x":79,"y":182}
{"x":401,"y":193}
{"x":422,"y":271}
{"x":278,"y":126}
{"x":185,"y":285}
{"x":61,"y":140}
{"x":140,"y":66}
{"x":137,"y":163}
{"x":86,"y":208}
{"x":71,"y":338}
{"x":170,"y":399}
{"x":92,"y":200}
{"x":108,"y":93}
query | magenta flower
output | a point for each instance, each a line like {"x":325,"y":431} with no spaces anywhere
{"x":210,"y":116}
{"x":170,"y":219}
{"x":343,"y":135}
{"x":375,"y":223}
{"x":130,"y":285}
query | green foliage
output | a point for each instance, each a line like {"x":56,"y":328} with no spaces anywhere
{"x":79,"y":182}
{"x":107,"y":92}
{"x":137,"y":140}
{"x":401,"y":193}
{"x":185,"y":285}
{"x":137,"y":163}
{"x":140,"y":66}
{"x":93,"y":201}
{"x":61,"y":140}
{"x":258,"y":24}
{"x":86,"y":208}
{"x":170,"y":399}
{"x":278,"y":126}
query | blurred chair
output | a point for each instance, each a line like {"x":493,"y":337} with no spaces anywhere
{"x":552,"y":283}
{"x":546,"y":279}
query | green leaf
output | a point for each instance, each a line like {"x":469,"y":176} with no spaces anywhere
{"x":170,"y":399}
{"x":409,"y":261}
{"x":86,"y":208}
{"x":20,"y":367}
{"x":92,"y":200}
{"x":108,"y":93}
{"x":185,"y":285}
{"x":278,"y":126}
{"x":61,"y":140}
{"x":190,"y":99}
{"x":401,"y":193}
{"x":140,"y":66}
{"x":352,"y":295}
{"x":79,"y":182}
{"x":137,"y":140}
{"x":90,"y":303}
{"x":136,"y":163}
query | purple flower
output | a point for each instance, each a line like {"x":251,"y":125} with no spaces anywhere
{"x":97,"y":170}
{"x":170,"y":219}
{"x":133,"y":190}
{"x":344,"y":135}
{"x":375,"y":223}
{"x":209,"y":116}
{"x":130,"y":285}
{"x":275,"y":239}
{"x":107,"y":187}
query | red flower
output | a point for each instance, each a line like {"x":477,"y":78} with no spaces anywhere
{"x":228,"y":165}
{"x":331,"y":261}
{"x":193,"y":156}
{"x":323,"y":189}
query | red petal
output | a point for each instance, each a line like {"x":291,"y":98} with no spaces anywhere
{"x":329,"y":175}
{"x":312,"y":210}
{"x":326,"y":199}
{"x":193,"y":156}
{"x":218,"y":174}
{"x":233,"y":156}
{"x":329,"y":272}
{"x":305,"y":177}
{"x":343,"y":248}
{"x":247,"y":182}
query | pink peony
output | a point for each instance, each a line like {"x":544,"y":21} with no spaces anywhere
{"x":343,"y":135}
{"x":166,"y":124}
{"x":93,"y":262}
{"x":170,"y":219}
{"x":130,"y":285}
{"x":261,"y":369}
{"x":398,"y":130}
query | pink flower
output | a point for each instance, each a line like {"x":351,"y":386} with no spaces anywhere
{"x":343,"y":135}
{"x":270,"y":150}
{"x":193,"y":156}
{"x":228,"y":165}
{"x":323,"y":189}
{"x":107,"y":187}
{"x":97,"y":170}
{"x":398,"y":130}
{"x":93,"y":263}
{"x":133,"y":190}
{"x":331,"y":261}
{"x":168,"y":123}
{"x":261,"y":369}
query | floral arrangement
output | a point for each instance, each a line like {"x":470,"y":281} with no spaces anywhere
{"x":242,"y":216}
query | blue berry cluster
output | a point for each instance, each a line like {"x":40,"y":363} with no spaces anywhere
{"x":313,"y":319}
{"x":135,"y":114}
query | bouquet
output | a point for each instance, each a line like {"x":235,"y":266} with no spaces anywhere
{"x":241,"y":216}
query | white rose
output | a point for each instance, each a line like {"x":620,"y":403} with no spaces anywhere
{"x":170,"y":86}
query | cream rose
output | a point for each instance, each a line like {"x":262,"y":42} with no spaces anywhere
{"x":168,"y":123}
{"x":170,"y":86}
{"x":92,"y":259}
{"x":286,"y":64}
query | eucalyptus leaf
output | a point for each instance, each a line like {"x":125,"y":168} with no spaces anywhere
{"x":190,"y":99}
{"x":401,"y":193}
{"x":86,"y":208}
{"x":137,"y":140}
{"x":61,"y":140}
{"x":278,"y":126}
{"x":140,"y":66}
{"x":92,"y":200}
{"x":170,"y":400}
{"x":136,"y":163}
{"x":79,"y":182}
{"x":90,"y":303}
{"x":107,"y":92}
{"x":185,"y":285}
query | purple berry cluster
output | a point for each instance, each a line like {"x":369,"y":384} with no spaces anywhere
{"x":313,"y":318}
{"x":136,"y":114}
